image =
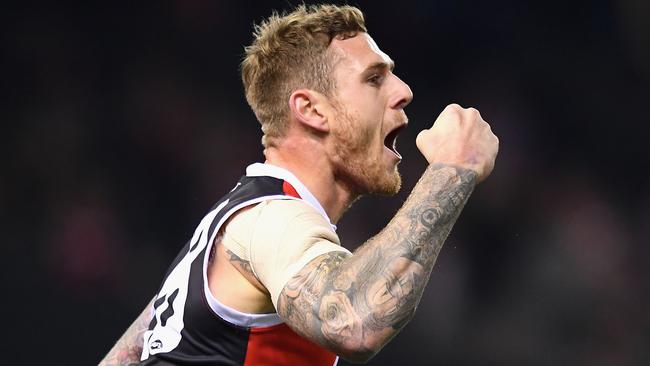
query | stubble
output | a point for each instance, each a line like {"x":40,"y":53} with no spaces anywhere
{"x":359,"y":163}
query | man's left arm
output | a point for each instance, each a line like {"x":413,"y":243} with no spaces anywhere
{"x":128,"y":348}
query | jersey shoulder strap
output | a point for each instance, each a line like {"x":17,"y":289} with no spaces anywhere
{"x":180,"y":314}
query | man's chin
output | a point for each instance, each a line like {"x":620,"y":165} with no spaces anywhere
{"x":388,"y":186}
{"x":365,"y":178}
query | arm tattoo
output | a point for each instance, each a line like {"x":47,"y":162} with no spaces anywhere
{"x":239,"y":263}
{"x":128,"y":348}
{"x":360,"y":302}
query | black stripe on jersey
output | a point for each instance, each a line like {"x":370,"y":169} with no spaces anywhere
{"x":250,"y":187}
{"x":207,"y":339}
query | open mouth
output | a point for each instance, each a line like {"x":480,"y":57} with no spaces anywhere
{"x":391,"y":140}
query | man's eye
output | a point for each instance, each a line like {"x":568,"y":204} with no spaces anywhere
{"x":375,"y":79}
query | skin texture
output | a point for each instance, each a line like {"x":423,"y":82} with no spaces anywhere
{"x":336,"y":146}
{"x":241,"y":264}
{"x":368,"y":104}
{"x":128,"y":348}
{"x":233,"y":283}
{"x":355,"y":304}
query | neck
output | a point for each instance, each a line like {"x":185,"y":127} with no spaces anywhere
{"x":312,"y":167}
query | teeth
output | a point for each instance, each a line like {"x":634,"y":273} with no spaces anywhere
{"x":391,"y":141}
{"x":396,"y":153}
{"x":393,"y":148}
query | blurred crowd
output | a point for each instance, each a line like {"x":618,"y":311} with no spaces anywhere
{"x":124,"y":124}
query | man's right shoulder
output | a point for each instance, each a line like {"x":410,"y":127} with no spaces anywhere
{"x":272,"y":218}
{"x":278,"y":210}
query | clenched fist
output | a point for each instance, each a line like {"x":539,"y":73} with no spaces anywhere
{"x":460,"y":137}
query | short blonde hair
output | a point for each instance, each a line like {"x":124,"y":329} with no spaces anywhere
{"x":289,"y":52}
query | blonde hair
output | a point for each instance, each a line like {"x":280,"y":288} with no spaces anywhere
{"x":289,"y":52}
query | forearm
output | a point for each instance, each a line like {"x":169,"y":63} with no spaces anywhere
{"x":392,"y":269}
{"x":359,"y":303}
{"x":128,"y":348}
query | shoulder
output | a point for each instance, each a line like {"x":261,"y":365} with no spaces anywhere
{"x":279,"y":213}
{"x":296,"y":218}
{"x":279,"y":220}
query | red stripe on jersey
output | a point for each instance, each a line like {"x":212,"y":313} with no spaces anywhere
{"x":289,"y":190}
{"x":279,"y":345}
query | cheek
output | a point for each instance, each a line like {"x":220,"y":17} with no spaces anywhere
{"x":370,"y":135}
{"x":368,"y":127}
{"x":358,"y":130}
{"x":361,"y":127}
{"x":367,"y":141}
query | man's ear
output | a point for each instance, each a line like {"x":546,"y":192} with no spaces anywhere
{"x":310,"y":109}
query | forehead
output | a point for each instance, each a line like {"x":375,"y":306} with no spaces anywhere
{"x":359,"y":52}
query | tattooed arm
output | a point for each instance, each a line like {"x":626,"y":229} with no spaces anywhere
{"x":128,"y":348}
{"x":353,"y":305}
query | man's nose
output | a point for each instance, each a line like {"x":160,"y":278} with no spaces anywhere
{"x":402,"y":94}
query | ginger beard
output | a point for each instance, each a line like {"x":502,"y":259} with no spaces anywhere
{"x":359,"y":161}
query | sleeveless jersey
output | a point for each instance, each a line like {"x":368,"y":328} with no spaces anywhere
{"x":190,"y":327}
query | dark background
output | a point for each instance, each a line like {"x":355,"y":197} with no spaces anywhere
{"x":124,"y":123}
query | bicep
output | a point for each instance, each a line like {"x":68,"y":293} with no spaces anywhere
{"x":288,"y":237}
{"x":316,"y":304}
{"x":350,"y":304}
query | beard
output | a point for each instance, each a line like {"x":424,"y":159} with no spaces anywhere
{"x":358,"y":163}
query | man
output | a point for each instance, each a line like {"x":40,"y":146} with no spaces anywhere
{"x":264,"y":280}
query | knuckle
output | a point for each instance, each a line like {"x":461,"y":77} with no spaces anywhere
{"x":454,"y":106}
{"x":421,"y":136}
{"x":473,"y":114}
{"x":472,"y":111}
{"x":454,"y":109}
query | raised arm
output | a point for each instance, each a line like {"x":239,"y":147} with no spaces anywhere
{"x":128,"y":348}
{"x":354,"y":305}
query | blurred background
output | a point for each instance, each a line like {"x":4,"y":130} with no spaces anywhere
{"x":124,"y":123}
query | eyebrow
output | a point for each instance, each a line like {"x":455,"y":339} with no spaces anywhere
{"x":380,"y":65}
